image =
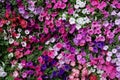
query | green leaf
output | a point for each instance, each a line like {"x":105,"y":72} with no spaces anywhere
{"x":9,"y":78}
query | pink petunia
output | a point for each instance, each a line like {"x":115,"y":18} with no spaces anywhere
{"x":64,"y":1}
{"x":63,"y":6}
{"x":94,"y":2}
{"x":118,"y":5}
{"x":40,"y":60}
{"x":70,"y":11}
{"x":46,"y":30}
{"x":18,"y":54}
{"x":27,"y":52}
{"x":51,"y":54}
{"x":102,"y":5}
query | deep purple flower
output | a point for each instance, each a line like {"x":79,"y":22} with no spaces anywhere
{"x":65,"y":78}
{"x":72,"y":49}
{"x":53,"y":62}
{"x":43,"y":67}
{"x":67,"y":67}
{"x":45,"y":77}
{"x":30,"y":72}
{"x":100,"y":45}
{"x":118,"y":48}
{"x":46,"y":58}
{"x":54,"y":74}
{"x":29,"y":64}
{"x":60,"y":72}
{"x":95,"y":49}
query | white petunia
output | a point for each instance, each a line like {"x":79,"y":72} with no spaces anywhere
{"x":77,"y":11}
{"x":89,"y":72}
{"x":95,"y":66}
{"x":118,"y":63}
{"x":118,"y":14}
{"x":113,"y":60}
{"x":118,"y":69}
{"x":109,"y":53}
{"x":108,"y":59}
{"x":19,"y":30}
{"x":55,"y":53}
{"x":27,"y":31}
{"x":78,"y":1}
{"x":75,"y":15}
{"x":114,"y":50}
{"x":80,"y":21}
{"x":10,"y":55}
{"x":24,"y":44}
{"x":88,"y":64}
{"x":102,"y":78}
{"x":101,"y":72}
{"x":105,"y":47}
{"x":59,"y":56}
{"x":64,"y":16}
{"x":98,"y":71}
{"x":11,"y":40}
{"x":8,"y":23}
{"x":78,"y":26}
{"x":52,"y":40}
{"x":20,"y":66}
{"x":3,"y":74}
{"x":85,"y":11}
{"x":117,"y":21}
{"x":47,"y":42}
{"x":81,"y":4}
{"x":113,"y":12}
{"x":72,"y":20}
{"x":5,"y":37}
{"x":118,"y":59}
{"x":76,"y":6}
{"x":86,"y":20}
{"x":92,"y":70}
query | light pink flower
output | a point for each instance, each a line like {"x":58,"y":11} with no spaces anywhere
{"x":15,"y":74}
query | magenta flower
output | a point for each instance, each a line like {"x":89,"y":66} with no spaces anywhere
{"x":94,"y":2}
{"x":102,"y":5}
{"x":28,"y":52}
{"x":64,"y":1}
{"x":70,"y":11}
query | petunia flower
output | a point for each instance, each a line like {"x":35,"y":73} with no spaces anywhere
{"x":102,"y":5}
{"x":70,"y":11}
{"x":23,"y":23}
{"x":18,"y":54}
{"x":93,"y":77}
{"x":24,"y":75}
{"x":27,"y":52}
{"x":15,"y":74}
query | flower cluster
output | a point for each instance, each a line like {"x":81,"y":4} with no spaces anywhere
{"x":59,"y":40}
